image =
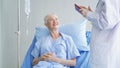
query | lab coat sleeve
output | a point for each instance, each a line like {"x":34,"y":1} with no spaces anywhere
{"x":105,"y":16}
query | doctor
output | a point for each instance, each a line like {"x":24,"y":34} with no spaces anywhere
{"x":105,"y":37}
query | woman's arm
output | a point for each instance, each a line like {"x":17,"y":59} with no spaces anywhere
{"x":41,"y":58}
{"x":53,"y":58}
{"x":71,"y":62}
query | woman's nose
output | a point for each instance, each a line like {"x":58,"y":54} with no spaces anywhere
{"x":55,"y":21}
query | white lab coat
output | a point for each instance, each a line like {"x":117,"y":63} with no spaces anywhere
{"x":105,"y":37}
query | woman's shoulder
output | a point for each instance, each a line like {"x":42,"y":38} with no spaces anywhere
{"x":65,"y":36}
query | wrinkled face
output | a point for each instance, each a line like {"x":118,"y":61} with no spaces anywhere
{"x":52,"y":22}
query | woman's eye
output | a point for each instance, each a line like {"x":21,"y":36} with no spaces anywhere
{"x":50,"y":20}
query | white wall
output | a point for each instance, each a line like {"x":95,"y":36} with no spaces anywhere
{"x":0,"y":38}
{"x":9,"y":25}
{"x":39,"y":8}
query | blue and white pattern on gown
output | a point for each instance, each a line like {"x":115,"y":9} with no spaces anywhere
{"x":63,"y":47}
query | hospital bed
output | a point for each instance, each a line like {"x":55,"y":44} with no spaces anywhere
{"x":82,"y":61}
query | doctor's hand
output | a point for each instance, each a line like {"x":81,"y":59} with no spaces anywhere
{"x":84,"y":10}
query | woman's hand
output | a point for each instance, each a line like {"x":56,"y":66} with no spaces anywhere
{"x":51,"y":57}
{"x":35,"y":61}
{"x":46,"y":57}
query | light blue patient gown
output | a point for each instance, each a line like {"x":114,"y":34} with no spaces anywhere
{"x":63,"y":47}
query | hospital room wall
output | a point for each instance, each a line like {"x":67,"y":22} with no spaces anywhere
{"x":0,"y":39}
{"x":39,"y":8}
{"x":8,"y":36}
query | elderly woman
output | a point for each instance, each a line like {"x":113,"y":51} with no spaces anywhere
{"x":57,"y":50}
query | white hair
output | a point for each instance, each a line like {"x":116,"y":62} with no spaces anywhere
{"x":46,"y":17}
